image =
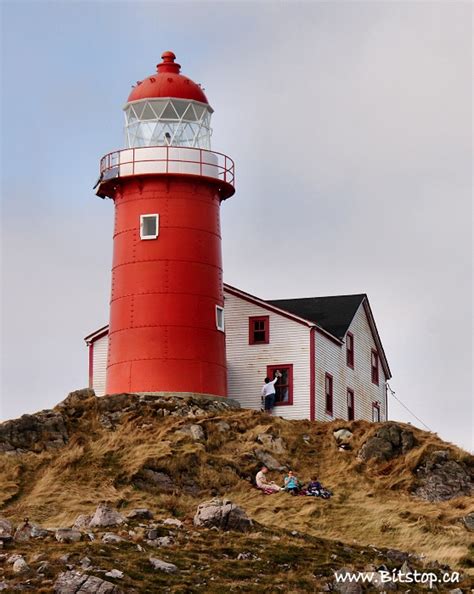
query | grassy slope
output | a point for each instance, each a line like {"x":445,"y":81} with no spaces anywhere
{"x":371,"y":504}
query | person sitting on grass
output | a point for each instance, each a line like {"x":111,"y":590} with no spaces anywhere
{"x":292,"y":484}
{"x":315,"y":489}
{"x":268,"y":487}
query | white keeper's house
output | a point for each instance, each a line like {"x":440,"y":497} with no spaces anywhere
{"x":328,"y":350}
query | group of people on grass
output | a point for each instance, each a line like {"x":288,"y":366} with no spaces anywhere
{"x":291,"y":485}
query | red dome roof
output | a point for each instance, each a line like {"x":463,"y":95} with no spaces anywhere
{"x":168,"y":82}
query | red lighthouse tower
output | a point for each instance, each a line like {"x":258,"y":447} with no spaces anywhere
{"x":166,"y":331}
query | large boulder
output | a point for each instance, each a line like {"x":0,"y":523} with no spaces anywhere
{"x":440,"y":477}
{"x":105,"y":515}
{"x":268,"y":460}
{"x":386,"y":443}
{"x":273,"y":444}
{"x":75,"y":582}
{"x":222,"y":514}
{"x":343,"y":437}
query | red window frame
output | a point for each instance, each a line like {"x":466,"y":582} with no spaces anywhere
{"x":374,"y":366}
{"x":261,"y":320}
{"x":350,"y":350}
{"x":375,"y":412}
{"x":329,"y":393}
{"x":278,"y":386}
{"x":350,"y":405}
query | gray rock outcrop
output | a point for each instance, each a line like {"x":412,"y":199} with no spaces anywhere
{"x":468,"y":521}
{"x":6,"y":530}
{"x":105,"y":515}
{"x":68,"y":535}
{"x":268,"y":460}
{"x":222,"y":514}
{"x":20,"y":566}
{"x":389,"y":441}
{"x":440,"y":477}
{"x":75,"y":582}
{"x":159,"y":565}
{"x":45,"y":430}
{"x":141,"y":513}
{"x":273,"y":444}
{"x":49,"y":429}
{"x":195,"y":432}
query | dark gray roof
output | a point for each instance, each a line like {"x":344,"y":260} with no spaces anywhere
{"x":334,"y":313}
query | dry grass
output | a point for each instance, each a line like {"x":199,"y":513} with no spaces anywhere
{"x":372,"y":502}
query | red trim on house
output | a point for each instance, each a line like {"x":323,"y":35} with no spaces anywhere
{"x":350,"y":351}
{"x":386,"y":402}
{"x":329,"y":336}
{"x":93,"y":336}
{"x":91,"y":364}
{"x":376,"y":337}
{"x":351,"y":407}
{"x":266,"y":329}
{"x":257,"y":301}
{"x":270,"y":371}
{"x":329,"y":410}
{"x":312,"y":374}
{"x":277,"y":310}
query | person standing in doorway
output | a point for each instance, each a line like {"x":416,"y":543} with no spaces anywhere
{"x":269,"y":392}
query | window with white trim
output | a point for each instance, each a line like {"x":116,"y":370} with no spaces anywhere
{"x":149,"y":226}
{"x":220,"y":318}
{"x":376,"y":412}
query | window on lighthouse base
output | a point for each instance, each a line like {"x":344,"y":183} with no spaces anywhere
{"x":149,"y":226}
{"x":220,"y":318}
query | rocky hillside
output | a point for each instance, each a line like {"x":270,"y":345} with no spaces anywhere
{"x":110,"y":489}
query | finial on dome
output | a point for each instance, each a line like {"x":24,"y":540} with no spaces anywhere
{"x":168,"y":64}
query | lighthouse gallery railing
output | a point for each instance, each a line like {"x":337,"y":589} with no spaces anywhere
{"x":167,"y":159}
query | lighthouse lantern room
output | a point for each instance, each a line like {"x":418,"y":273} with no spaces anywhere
{"x":166,"y":331}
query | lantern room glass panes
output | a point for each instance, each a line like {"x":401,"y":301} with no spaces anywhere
{"x":173,"y":122}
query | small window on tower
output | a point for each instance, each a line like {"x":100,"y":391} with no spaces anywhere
{"x":259,"y":330}
{"x":220,"y":318}
{"x":149,"y":226}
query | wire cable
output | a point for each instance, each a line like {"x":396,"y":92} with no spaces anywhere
{"x":406,"y":407}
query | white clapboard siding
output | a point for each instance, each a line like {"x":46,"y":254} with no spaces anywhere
{"x":247,"y":364}
{"x":331,"y":358}
{"x":99,"y":364}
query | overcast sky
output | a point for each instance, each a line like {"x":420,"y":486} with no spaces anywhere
{"x":350,"y":125}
